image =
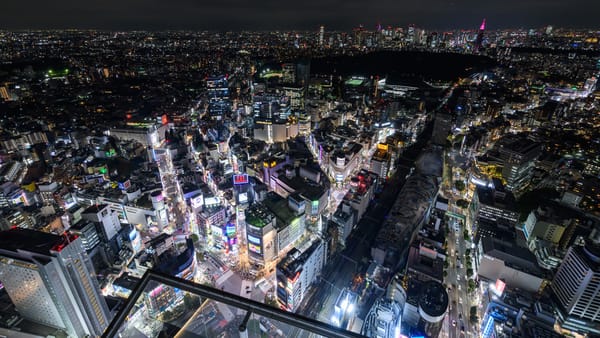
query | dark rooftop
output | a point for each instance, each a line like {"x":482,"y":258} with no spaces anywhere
{"x":29,"y":240}
{"x":294,"y":261}
{"x":434,"y":298}
{"x":279,"y":207}
{"x":127,"y":282}
{"x":94,"y":209}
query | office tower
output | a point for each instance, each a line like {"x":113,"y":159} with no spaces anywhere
{"x":106,"y":218}
{"x":88,"y":233}
{"x":479,"y":39}
{"x":303,"y":73}
{"x":321,"y":35}
{"x":381,"y":161}
{"x":517,"y":154}
{"x":6,"y":96}
{"x":358,"y":35}
{"x":50,"y":280}
{"x":494,"y":213}
{"x":576,"y":287}
{"x":288,"y":71}
{"x":218,"y":87}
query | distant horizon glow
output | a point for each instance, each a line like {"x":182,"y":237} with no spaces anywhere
{"x":309,"y":15}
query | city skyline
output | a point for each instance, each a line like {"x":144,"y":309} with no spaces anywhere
{"x":271,"y":15}
{"x":364,"y":181}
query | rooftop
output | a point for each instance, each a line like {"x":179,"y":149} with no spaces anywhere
{"x":94,"y":209}
{"x":434,"y":298}
{"x":432,"y":267}
{"x":279,"y":207}
{"x":514,"y":256}
{"x":17,"y":239}
{"x":258,"y":215}
{"x":294,"y":261}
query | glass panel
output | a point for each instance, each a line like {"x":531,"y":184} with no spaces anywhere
{"x":163,"y":310}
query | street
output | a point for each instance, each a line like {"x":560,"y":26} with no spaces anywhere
{"x":341,"y":269}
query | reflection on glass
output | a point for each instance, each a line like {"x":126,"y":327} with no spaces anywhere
{"x":159,"y":308}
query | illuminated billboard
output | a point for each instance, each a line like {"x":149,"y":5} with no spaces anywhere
{"x":498,"y":288}
{"x":240,"y":179}
{"x":230,"y":230}
{"x":198,"y":201}
{"x":253,"y":239}
{"x":124,"y":185}
{"x":211,"y":201}
{"x":254,"y":248}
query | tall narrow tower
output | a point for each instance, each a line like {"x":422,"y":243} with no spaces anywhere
{"x":321,"y":35}
{"x":479,"y":39}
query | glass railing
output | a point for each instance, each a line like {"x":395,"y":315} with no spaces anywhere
{"x":166,"y":306}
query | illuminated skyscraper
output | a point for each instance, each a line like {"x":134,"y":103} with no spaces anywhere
{"x":479,"y":39}
{"x":50,"y":280}
{"x":576,"y":286}
{"x":321,"y":35}
{"x":297,"y":271}
{"x":5,"y":95}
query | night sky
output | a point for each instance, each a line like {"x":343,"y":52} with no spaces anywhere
{"x":299,"y":14}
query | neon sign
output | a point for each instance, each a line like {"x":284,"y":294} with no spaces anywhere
{"x":240,"y":179}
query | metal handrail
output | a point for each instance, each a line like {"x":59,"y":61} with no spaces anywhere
{"x":296,"y":320}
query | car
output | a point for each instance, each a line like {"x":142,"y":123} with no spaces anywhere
{"x":462,"y":328}
{"x":453,"y":322}
{"x":460,"y":315}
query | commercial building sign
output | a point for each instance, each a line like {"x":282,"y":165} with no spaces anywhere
{"x":240,"y":179}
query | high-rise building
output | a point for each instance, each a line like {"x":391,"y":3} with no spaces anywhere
{"x":321,"y":35}
{"x":297,"y":271}
{"x":517,"y":154}
{"x":50,"y":280}
{"x":88,"y":233}
{"x":6,"y":96}
{"x":288,"y":71}
{"x":433,"y":305}
{"x":495,"y":212}
{"x":425,"y":307}
{"x":381,"y":161}
{"x":576,"y":287}
{"x":261,"y":234}
{"x":479,"y":39}
{"x":217,"y":87}
{"x":106,"y":218}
